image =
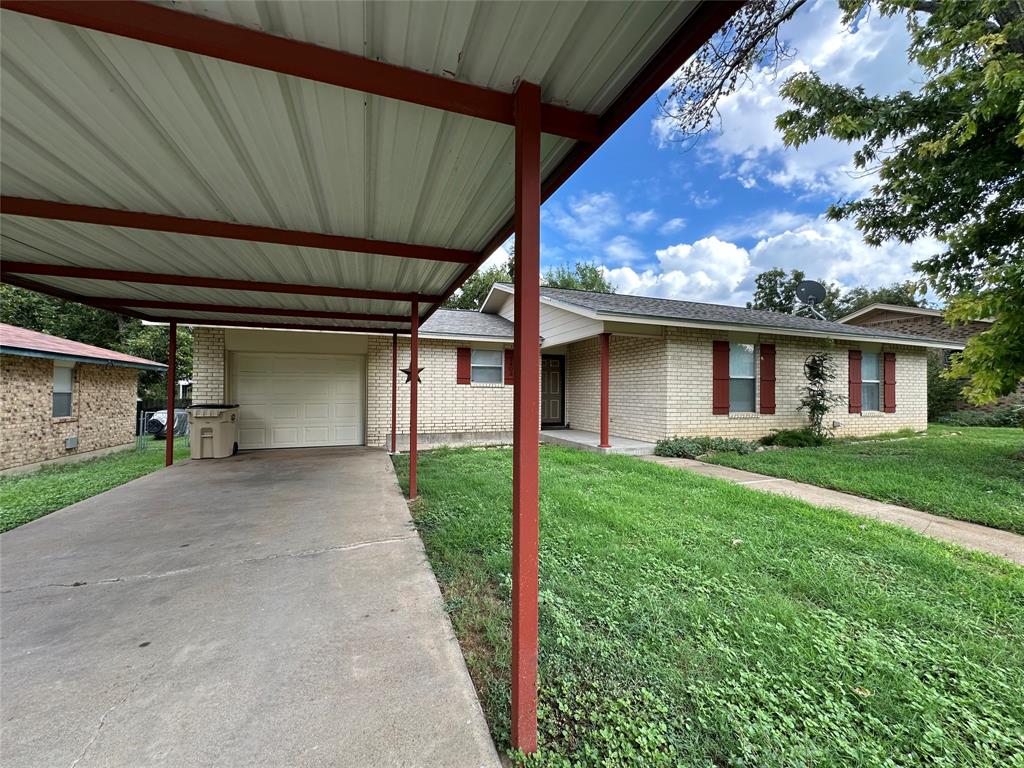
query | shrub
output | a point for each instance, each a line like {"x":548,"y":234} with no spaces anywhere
{"x":1001,"y":416}
{"x":692,"y":447}
{"x":817,"y":398}
{"x":794,"y":438}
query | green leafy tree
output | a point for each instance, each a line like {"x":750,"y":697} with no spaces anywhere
{"x":909,"y":293}
{"x":774,"y":291}
{"x":949,"y":158}
{"x":584,"y":276}
{"x":473,"y":292}
{"x":817,"y":396}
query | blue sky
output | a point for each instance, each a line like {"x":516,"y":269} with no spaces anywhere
{"x":701,"y":223}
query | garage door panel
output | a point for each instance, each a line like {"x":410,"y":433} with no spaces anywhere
{"x":299,"y":400}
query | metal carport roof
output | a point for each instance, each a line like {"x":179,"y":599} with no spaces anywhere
{"x":300,"y":164}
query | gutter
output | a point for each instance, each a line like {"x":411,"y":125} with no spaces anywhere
{"x":5,"y":350}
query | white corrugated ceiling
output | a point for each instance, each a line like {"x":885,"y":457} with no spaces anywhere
{"x":97,"y":119}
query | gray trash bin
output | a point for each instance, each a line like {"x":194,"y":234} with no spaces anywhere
{"x":214,"y":430}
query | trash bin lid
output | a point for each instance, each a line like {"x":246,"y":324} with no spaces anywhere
{"x":221,"y":406}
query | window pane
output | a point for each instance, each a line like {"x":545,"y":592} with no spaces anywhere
{"x":62,"y":378}
{"x":741,"y":361}
{"x":487,"y":357}
{"x":869,"y":367}
{"x":741,"y":395}
{"x":869,"y":396}
{"x":61,"y":404}
{"x":486,"y":375}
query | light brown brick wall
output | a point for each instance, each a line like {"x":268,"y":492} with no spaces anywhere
{"x":208,"y":365}
{"x":103,"y":410}
{"x":689,"y":398}
{"x":637,"y":386}
{"x":445,"y":407}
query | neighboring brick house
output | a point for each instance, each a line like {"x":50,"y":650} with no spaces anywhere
{"x":675,"y":368}
{"x":61,"y":400}
{"x":920,"y":321}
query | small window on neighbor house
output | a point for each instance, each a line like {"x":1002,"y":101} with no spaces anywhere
{"x":870,"y":381}
{"x":741,"y":378}
{"x":487,"y":366}
{"x":63,"y":384}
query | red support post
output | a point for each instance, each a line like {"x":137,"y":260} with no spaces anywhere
{"x":605,"y":345}
{"x":394,"y":393}
{"x":172,"y":351}
{"x":414,"y":362}
{"x":526,"y":416}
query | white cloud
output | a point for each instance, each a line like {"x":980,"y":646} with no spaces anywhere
{"x":762,"y":224}
{"x":672,"y":225}
{"x":749,"y":144}
{"x":641,"y":219}
{"x":714,"y":269}
{"x":499,"y":257}
{"x":587,"y":217}
{"x":707,"y":270}
{"x":623,"y":250}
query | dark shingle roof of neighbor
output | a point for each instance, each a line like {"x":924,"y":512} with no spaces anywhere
{"x":673,"y":309}
{"x":466,"y":322}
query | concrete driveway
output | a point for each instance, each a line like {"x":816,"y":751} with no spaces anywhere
{"x":273,"y":609}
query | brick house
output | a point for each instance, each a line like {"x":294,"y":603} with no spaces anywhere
{"x":61,"y":400}
{"x":675,"y":368}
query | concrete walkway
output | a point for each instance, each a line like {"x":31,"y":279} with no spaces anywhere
{"x":969,"y":535}
{"x":272,"y":609}
{"x":591,"y":441}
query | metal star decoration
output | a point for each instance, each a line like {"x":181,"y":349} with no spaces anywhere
{"x":408,"y":374}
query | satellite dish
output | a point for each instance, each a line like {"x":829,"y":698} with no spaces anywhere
{"x":810,"y":293}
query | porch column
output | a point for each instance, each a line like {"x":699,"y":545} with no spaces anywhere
{"x":605,"y":345}
{"x":172,"y":351}
{"x":414,"y":363}
{"x":394,"y":392}
{"x":526,"y":418}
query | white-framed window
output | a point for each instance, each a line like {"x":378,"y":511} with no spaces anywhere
{"x":870,"y":381}
{"x":741,"y":378}
{"x":487,"y":366}
{"x":63,"y":388}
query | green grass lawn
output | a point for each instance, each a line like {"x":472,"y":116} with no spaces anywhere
{"x":966,"y":473}
{"x":26,"y":497}
{"x":690,"y":621}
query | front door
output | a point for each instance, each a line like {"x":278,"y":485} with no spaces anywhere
{"x":552,"y":390}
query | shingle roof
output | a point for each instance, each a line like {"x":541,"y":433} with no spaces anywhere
{"x":672,"y":309}
{"x":21,"y":341}
{"x":467,"y":322}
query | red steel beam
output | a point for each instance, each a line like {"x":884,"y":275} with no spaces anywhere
{"x":275,"y":324}
{"x":58,"y":293}
{"x":394,"y":393}
{"x":184,"y":306}
{"x":525,"y":419}
{"x":605,"y":344}
{"x":172,"y":352}
{"x":414,"y":380}
{"x":695,"y":30}
{"x":229,"y":42}
{"x":194,"y":281}
{"x":157,"y":222}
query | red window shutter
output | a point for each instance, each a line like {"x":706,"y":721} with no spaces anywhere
{"x":767,"y":378}
{"x":889,"y":382}
{"x":855,"y":381}
{"x":462,"y":367}
{"x":720,"y":378}
{"x":510,"y":373}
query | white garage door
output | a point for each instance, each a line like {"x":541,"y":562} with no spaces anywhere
{"x":288,"y":401}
